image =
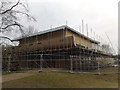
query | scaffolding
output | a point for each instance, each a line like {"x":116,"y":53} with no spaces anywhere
{"x":56,"y":56}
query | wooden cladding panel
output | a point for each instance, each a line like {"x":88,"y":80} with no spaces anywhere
{"x":47,"y":36}
{"x":45,"y":45}
{"x":79,"y":39}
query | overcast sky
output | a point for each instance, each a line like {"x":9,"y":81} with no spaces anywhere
{"x":100,"y":15}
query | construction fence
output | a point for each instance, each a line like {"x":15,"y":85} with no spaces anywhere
{"x":68,"y":61}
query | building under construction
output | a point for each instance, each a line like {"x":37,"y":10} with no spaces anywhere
{"x":61,"y":47}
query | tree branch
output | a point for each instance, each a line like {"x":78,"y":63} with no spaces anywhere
{"x":5,"y":37}
{"x":10,"y":8}
{"x":15,"y":24}
{"x":26,"y":15}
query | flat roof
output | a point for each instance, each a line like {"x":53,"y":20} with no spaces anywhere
{"x":52,"y":30}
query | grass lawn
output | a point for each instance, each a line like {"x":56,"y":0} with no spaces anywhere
{"x":64,"y":80}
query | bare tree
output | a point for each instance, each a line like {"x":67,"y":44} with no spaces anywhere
{"x":31,"y":30}
{"x":11,"y":11}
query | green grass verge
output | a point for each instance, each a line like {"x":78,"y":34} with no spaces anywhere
{"x":64,"y":80}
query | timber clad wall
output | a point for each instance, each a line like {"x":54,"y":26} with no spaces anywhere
{"x":79,"y":39}
{"x":47,"y":36}
{"x":59,"y":39}
{"x":48,"y":41}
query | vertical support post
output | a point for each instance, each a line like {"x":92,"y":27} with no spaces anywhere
{"x":41,"y":62}
{"x":82,"y":27}
{"x":91,"y":34}
{"x":9,"y":62}
{"x":98,"y":66}
{"x":66,"y":22}
{"x":79,"y":63}
{"x":87,"y":30}
{"x":71,"y":64}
